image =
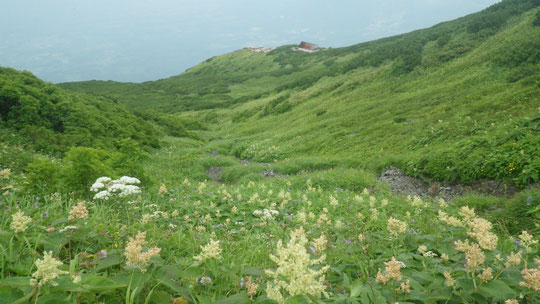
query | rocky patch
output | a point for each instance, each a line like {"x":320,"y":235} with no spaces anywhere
{"x":400,"y":183}
{"x":214,"y":173}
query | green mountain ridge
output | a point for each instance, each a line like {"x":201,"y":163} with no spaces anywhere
{"x":455,"y":102}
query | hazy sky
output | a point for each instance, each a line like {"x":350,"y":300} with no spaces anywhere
{"x":139,"y":40}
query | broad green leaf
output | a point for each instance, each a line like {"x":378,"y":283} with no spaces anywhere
{"x":298,"y":300}
{"x":160,"y":296}
{"x":19,"y":268}
{"x":100,"y":284}
{"x":174,"y":286}
{"x":256,"y":272}
{"x":15,"y":282}
{"x":497,"y":289}
{"x":109,"y":261}
{"x":53,"y":298}
{"x":239,"y":298}
{"x":421,"y":277}
{"x":9,"y":294}
{"x":357,"y":287}
{"x":264,"y":300}
{"x":66,"y":284}
{"x":54,"y":242}
{"x":417,"y":295}
{"x":478,"y":298}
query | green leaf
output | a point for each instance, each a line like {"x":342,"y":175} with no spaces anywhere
{"x":157,"y":260}
{"x":357,"y":287}
{"x":19,"y":269}
{"x":421,"y":277}
{"x":15,"y":282}
{"x":256,"y":272}
{"x":59,"y":221}
{"x":478,"y":298}
{"x":100,"y":284}
{"x":298,"y":300}
{"x":160,"y":296}
{"x":497,"y":289}
{"x":109,"y":261}
{"x":9,"y":294}
{"x":264,"y":300}
{"x":54,"y":242}
{"x":66,"y":284}
{"x":239,"y":298}
{"x":174,"y":286}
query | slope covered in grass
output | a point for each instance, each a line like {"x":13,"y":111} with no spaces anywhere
{"x":455,"y":102}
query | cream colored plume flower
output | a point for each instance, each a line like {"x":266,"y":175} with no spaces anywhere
{"x":320,"y":244}
{"x":333,"y":201}
{"x":374,"y":214}
{"x":462,"y":246}
{"x":251,"y":286}
{"x":449,"y":280}
{"x":209,"y":251}
{"x":78,"y":211}
{"x":47,"y":270}
{"x":295,"y":274}
{"x":531,"y":277}
{"x":527,"y":240}
{"x":405,"y":287}
{"x":474,"y":256}
{"x":20,"y":222}
{"x":392,"y":271}
{"x":479,"y":230}
{"x":513,"y":259}
{"x":395,"y":226}
{"x":450,"y":220}
{"x":134,"y":251}
{"x":511,"y":301}
{"x":4,"y":174}
{"x":486,"y":275}
{"x":77,"y":279}
{"x":162,"y":189}
{"x":467,"y":213}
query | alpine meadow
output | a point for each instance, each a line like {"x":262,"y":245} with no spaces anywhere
{"x":400,"y":170}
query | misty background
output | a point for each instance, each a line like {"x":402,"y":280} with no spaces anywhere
{"x":141,"y":40}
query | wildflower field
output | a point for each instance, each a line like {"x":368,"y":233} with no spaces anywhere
{"x":284,"y":240}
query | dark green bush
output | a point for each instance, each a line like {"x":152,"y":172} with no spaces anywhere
{"x":83,"y":166}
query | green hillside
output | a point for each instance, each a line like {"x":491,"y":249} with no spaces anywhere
{"x":52,"y":120}
{"x":455,"y":102}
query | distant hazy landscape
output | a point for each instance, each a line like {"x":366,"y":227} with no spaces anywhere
{"x":140,"y":40}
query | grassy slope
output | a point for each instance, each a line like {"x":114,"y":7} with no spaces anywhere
{"x":453,"y":102}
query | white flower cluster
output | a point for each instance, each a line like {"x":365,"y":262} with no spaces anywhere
{"x":122,"y":187}
{"x":267,"y":214}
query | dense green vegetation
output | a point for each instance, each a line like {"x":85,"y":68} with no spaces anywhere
{"x":454,"y":102}
{"x":294,"y":143}
{"x":53,"y":119}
